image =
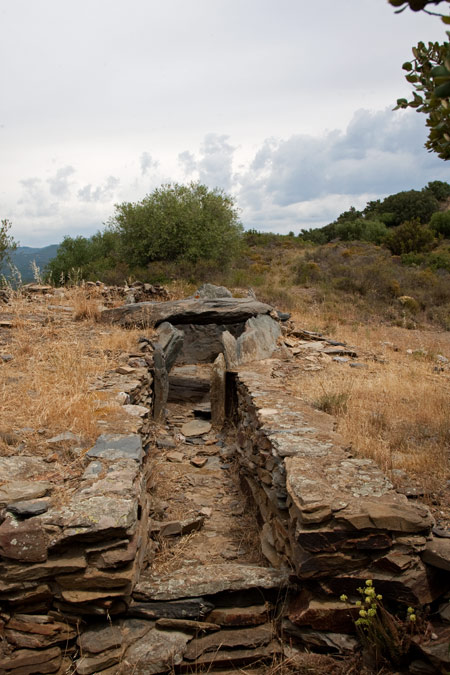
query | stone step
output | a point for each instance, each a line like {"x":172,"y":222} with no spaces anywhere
{"x":194,"y":581}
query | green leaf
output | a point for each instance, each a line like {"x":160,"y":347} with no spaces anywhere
{"x":407,"y":65}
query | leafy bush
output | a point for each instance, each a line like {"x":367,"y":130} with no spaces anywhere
{"x":407,"y":206}
{"x":409,"y":237}
{"x":178,"y":222}
{"x":440,"y":223}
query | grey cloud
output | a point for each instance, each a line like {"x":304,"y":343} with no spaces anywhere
{"x":216,"y":163}
{"x":35,"y":201}
{"x":101,"y":193}
{"x":59,"y":183}
{"x":379,"y":153}
{"x":187,"y":162}
{"x":147,"y":163}
{"x":214,"y":166}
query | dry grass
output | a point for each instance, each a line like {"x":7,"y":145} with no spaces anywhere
{"x":47,"y":385}
{"x":396,"y":410}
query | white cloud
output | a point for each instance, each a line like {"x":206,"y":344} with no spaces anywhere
{"x":100,"y":193}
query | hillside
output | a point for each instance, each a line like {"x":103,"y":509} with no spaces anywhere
{"x":23,"y":258}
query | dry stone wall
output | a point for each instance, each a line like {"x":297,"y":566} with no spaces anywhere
{"x":72,"y":555}
{"x":333,"y":519}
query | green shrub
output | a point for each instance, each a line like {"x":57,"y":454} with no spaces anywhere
{"x":409,"y":237}
{"x":440,"y":223}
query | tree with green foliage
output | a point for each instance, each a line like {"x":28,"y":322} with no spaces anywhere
{"x":178,"y":222}
{"x":439,"y":189}
{"x":7,"y":243}
{"x":84,"y":258}
{"x":440,"y":223}
{"x":407,"y":205}
{"x":429,"y":73}
{"x":410,"y":237}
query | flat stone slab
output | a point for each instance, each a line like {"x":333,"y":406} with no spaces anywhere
{"x":157,"y":651}
{"x":22,"y":490}
{"x":195,"y":428}
{"x":437,"y":553}
{"x":193,"y":581}
{"x":116,"y":446}
{"x":191,"y":310}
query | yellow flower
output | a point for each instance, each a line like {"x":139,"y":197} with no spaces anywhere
{"x":343,"y":597}
{"x":369,"y":582}
{"x":412,"y":617}
{"x":358,"y":603}
{"x":372,"y":612}
{"x":362,"y":612}
{"x":410,"y":610}
{"x":379,"y":597}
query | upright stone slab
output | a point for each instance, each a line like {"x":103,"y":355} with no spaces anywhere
{"x":230,"y":350}
{"x":218,"y":391}
{"x":161,"y":383}
{"x":259,"y":340}
{"x":170,"y":340}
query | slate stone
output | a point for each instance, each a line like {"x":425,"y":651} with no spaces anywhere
{"x":99,"y":639}
{"x":436,"y":649}
{"x":218,"y":392}
{"x":437,"y":553}
{"x":222,"y":658}
{"x":203,"y":342}
{"x":323,"y":614}
{"x":23,"y":540}
{"x":180,"y":527}
{"x":229,"y":639}
{"x":170,"y":339}
{"x":160,"y":384}
{"x":64,"y":438}
{"x":329,"y":641}
{"x":187,"y":625}
{"x":210,"y":292}
{"x":255,"y":615}
{"x":207,"y":580}
{"x":29,"y":657}
{"x":189,"y":383}
{"x":116,"y":446}
{"x":196,"y":428}
{"x":259,"y":340}
{"x":94,"y":664}
{"x":157,"y":652}
{"x":28,"y":508}
{"x":390,"y":513}
{"x":229,"y":344}
{"x":191,"y":608}
{"x":188,"y":311}
{"x":93,"y":470}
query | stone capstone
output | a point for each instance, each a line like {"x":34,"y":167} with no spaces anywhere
{"x":189,"y":311}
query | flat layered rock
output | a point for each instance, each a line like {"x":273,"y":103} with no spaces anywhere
{"x":437,"y":553}
{"x":190,"y":608}
{"x":195,"y":428}
{"x":117,"y":446}
{"x":208,"y":580}
{"x":254,"y":615}
{"x":157,"y":652}
{"x":191,"y":310}
{"x":246,"y":638}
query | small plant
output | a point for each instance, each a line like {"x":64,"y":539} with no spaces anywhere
{"x":333,"y":403}
{"x":385,"y":637}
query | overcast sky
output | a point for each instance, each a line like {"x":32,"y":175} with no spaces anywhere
{"x":286,"y":104}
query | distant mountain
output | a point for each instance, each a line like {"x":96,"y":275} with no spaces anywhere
{"x":23,"y":256}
